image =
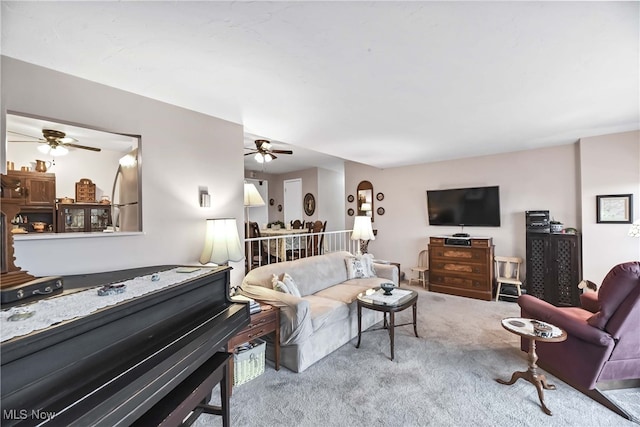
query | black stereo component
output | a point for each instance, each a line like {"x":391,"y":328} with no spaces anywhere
{"x":537,"y":222}
{"x":457,"y":241}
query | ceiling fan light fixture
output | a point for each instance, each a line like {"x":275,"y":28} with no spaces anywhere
{"x":44,"y":148}
{"x":259,"y":158}
{"x":268,"y":157}
{"x":58,"y":151}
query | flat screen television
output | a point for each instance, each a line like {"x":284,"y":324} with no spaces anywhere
{"x":473,"y":207}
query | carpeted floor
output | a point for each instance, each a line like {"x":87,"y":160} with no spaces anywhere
{"x":444,"y":378}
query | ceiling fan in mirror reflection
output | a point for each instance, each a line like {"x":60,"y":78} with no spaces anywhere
{"x":54,"y":142}
{"x":264,"y":151}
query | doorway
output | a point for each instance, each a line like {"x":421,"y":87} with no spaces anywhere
{"x":292,"y":200}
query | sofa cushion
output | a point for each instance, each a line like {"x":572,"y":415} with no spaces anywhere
{"x":342,"y":292}
{"x":360,"y":267}
{"x":325,"y":311}
{"x":617,"y":284}
{"x":291,"y":284}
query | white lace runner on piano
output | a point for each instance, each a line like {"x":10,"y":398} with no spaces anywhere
{"x":50,"y":311}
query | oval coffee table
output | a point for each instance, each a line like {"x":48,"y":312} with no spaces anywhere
{"x":525,"y":328}
{"x":400,"y":299}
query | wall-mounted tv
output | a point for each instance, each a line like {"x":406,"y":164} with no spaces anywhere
{"x":474,"y":207}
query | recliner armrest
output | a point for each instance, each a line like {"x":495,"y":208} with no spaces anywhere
{"x":295,"y":316}
{"x":542,"y":310}
{"x":589,"y":301}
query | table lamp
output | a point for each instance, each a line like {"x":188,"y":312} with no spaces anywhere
{"x":362,"y":231}
{"x":222,"y":243}
{"x":251,"y":198}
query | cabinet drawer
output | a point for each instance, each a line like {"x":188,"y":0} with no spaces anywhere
{"x":459,"y":282}
{"x":253,"y":331}
{"x":436,"y":240}
{"x":458,"y":267}
{"x":462,"y":254}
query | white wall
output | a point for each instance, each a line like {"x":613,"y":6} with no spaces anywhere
{"x":330,"y":201}
{"x":529,"y":180}
{"x":181,"y":150}
{"x":610,"y":164}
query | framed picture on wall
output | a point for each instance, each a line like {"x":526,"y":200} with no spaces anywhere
{"x":614,"y":209}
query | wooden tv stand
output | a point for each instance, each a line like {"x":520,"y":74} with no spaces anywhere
{"x":464,"y":270}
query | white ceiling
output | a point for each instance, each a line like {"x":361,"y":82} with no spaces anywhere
{"x":381,"y":83}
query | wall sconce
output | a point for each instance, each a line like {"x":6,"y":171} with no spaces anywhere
{"x":205,"y":199}
{"x":222,"y":243}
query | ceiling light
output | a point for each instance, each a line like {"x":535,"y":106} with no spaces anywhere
{"x":54,"y":151}
{"x":268,"y":157}
{"x":44,"y":148}
{"x":259,"y":158}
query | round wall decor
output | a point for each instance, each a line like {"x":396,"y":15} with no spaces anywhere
{"x":350,"y":212}
{"x":279,"y":208}
{"x":380,"y":211}
{"x":350,"y":198}
{"x":380,"y":196}
{"x":309,"y":204}
{"x":271,"y":202}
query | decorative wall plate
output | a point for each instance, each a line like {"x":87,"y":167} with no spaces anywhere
{"x":350,"y":198}
{"x":380,"y":196}
{"x":309,"y":204}
{"x":271,"y":202}
{"x":279,"y":208}
{"x":350,"y":212}
{"x":380,"y":211}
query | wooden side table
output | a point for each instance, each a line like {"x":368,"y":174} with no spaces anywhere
{"x":262,"y":323}
{"x":525,"y":328}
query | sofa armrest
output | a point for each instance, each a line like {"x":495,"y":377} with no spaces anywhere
{"x":295,"y":316}
{"x":387,"y":271}
{"x":542,"y":310}
{"x":589,"y":301}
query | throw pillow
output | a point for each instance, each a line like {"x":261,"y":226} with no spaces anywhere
{"x":278,"y":285}
{"x":357,"y":268}
{"x":291,"y":285}
{"x":367,"y":260}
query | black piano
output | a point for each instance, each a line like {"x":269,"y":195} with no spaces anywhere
{"x":127,"y":364}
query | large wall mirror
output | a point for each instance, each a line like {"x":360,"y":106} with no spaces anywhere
{"x":365,"y":199}
{"x":90,"y":178}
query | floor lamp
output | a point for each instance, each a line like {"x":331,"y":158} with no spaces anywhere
{"x":251,"y":198}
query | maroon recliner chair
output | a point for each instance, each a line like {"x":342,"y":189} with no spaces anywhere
{"x":602,"y":350}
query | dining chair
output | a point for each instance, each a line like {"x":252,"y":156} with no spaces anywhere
{"x":507,"y":270}
{"x":297,"y":224}
{"x":421,"y":269}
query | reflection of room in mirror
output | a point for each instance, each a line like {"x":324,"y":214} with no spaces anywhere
{"x":91,"y":154}
{"x":365,"y":199}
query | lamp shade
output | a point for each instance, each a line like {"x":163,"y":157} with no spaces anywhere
{"x":251,"y":195}
{"x":222,"y":243}
{"x":362,"y":229}
{"x":634,"y":230}
{"x":365,"y":207}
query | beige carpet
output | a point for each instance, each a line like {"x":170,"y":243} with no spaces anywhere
{"x":444,"y":378}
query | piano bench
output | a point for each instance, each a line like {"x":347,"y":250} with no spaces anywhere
{"x":191,"y":397}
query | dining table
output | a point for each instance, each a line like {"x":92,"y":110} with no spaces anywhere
{"x":283,"y":240}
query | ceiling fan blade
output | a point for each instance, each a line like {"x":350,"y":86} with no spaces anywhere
{"x":282,"y":151}
{"x":272,"y":156}
{"x":84,"y":147}
{"x":250,"y":153}
{"x":28,"y":136}
{"x":16,"y":140}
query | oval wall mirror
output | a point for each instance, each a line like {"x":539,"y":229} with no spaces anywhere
{"x":365,"y":199}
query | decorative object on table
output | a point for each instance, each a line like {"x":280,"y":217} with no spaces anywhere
{"x":204,"y":200}
{"x":38,"y":288}
{"x":38,"y":226}
{"x":85,"y":191}
{"x":309,"y":204}
{"x":380,"y":197}
{"x":155,"y":277}
{"x":222,"y":243}
{"x":614,"y":208}
{"x":555,"y":226}
{"x":275,"y":225}
{"x":542,"y":329}
{"x":272,"y":202}
{"x":362,"y":231}
{"x":42,"y":165}
{"x":107,"y":290}
{"x":634,"y":230}
{"x":387,"y":287}
{"x":350,"y":198}
{"x":66,"y":200}
{"x":21,"y":314}
{"x":380,"y":211}
{"x":350,"y":212}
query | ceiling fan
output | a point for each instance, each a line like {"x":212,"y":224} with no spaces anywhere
{"x":55,"y":142}
{"x":263,"y":151}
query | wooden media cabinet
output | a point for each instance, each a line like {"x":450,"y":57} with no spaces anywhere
{"x":464,"y":268}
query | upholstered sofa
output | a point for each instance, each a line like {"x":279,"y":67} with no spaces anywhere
{"x":602,"y":348}
{"x":324,"y":317}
